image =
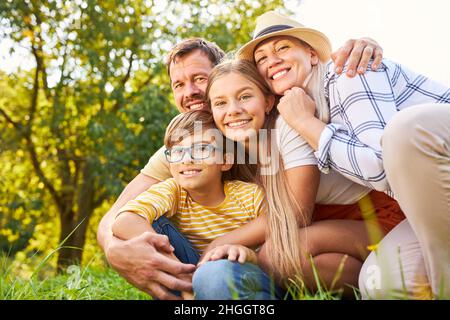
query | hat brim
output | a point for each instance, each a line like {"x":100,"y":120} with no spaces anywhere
{"x":317,"y":40}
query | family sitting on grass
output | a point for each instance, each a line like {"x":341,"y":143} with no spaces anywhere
{"x":284,"y":165}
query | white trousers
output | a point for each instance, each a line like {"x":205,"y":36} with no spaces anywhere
{"x":413,"y":260}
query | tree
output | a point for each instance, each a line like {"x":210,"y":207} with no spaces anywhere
{"x":95,"y":104}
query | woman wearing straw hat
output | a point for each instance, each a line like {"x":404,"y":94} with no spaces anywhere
{"x":344,"y":120}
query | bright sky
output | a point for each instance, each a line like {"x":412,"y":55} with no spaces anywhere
{"x":415,"y":33}
{"x":412,"y":32}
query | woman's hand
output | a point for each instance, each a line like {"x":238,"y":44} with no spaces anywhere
{"x":298,"y":110}
{"x":296,"y":106}
{"x":234,"y":252}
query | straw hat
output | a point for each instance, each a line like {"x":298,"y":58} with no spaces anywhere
{"x":271,"y":24}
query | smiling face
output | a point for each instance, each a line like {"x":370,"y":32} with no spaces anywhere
{"x":189,"y":78}
{"x":238,"y":106}
{"x":284,"y":62}
{"x":198,"y":175}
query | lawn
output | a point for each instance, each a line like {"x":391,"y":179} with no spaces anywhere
{"x":90,"y":283}
{"x":76,"y":283}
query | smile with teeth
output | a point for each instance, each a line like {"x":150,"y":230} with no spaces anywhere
{"x":237,"y":123}
{"x":279,"y":74}
{"x":190,"y":172}
{"x":196,"y":106}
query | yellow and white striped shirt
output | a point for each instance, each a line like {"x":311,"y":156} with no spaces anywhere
{"x":200,"y":224}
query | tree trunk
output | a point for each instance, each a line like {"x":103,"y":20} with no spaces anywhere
{"x":78,"y":220}
{"x":68,"y":256}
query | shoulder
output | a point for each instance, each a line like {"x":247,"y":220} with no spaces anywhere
{"x":331,"y":76}
{"x":160,"y":154}
{"x":157,"y":166}
{"x":283,"y":129}
{"x":287,"y":137}
{"x":238,"y":186}
{"x":340,"y":87}
{"x":244,"y":191}
{"x":169,"y":184}
{"x":280,"y":123}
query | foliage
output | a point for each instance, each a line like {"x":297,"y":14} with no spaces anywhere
{"x":88,"y":106}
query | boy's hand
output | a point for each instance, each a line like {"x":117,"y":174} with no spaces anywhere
{"x":234,"y":252}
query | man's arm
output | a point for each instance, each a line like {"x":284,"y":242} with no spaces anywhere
{"x":144,"y":261}
{"x":158,"y":168}
{"x":138,"y":185}
{"x":129,"y":225}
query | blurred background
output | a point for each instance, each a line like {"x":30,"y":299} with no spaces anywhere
{"x":85,"y":98}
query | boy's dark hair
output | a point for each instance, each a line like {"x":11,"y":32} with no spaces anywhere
{"x":214,"y":53}
{"x":185,"y":124}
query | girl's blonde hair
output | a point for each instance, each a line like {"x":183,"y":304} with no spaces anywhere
{"x":285,"y":214}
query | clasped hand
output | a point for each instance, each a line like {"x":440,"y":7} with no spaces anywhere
{"x":296,"y":106}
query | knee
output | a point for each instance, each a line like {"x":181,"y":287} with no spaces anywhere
{"x":413,"y":129}
{"x":397,"y":135}
{"x":375,"y":283}
{"x":212,"y":279}
{"x":307,"y":250}
{"x":369,"y":281}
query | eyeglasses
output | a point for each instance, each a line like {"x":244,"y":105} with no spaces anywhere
{"x":196,"y":152}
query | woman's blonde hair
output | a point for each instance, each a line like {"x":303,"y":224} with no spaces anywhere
{"x":315,"y":88}
{"x":285,"y":214}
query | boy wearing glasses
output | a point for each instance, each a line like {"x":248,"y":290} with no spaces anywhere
{"x":203,"y":207}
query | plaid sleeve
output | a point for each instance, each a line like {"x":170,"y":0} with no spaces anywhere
{"x":364,"y":105}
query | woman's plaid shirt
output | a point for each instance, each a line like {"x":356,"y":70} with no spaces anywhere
{"x":360,"y":108}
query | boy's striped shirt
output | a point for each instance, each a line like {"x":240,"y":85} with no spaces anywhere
{"x":200,"y":224}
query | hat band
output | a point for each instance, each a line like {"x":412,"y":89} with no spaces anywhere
{"x":271,"y":29}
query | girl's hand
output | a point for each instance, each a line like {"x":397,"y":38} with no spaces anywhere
{"x":296,"y":106}
{"x":234,"y":252}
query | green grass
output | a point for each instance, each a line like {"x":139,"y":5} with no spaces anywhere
{"x":298,"y":291}
{"x":77,"y":283}
{"x":94,"y":283}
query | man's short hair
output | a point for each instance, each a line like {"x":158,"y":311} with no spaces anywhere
{"x":213,"y":52}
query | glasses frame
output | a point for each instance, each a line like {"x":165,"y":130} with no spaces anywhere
{"x":185,"y":149}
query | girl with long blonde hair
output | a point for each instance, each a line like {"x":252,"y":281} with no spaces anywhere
{"x":242,"y":107}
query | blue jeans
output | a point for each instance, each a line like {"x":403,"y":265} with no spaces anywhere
{"x":183,"y":248}
{"x":221,"y":279}
{"x":228,"y":280}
